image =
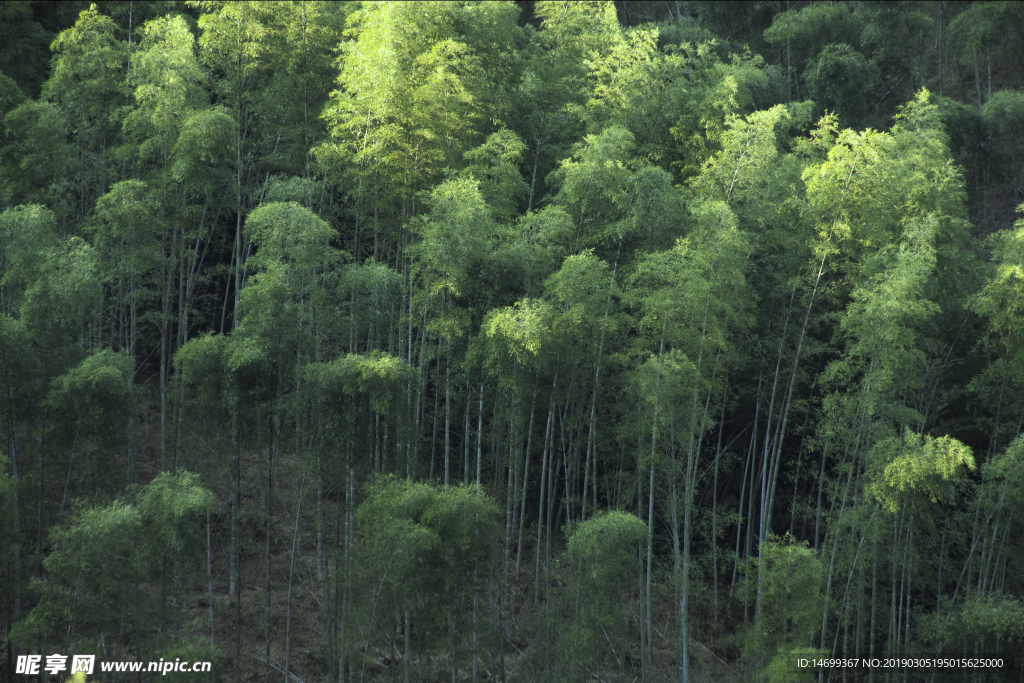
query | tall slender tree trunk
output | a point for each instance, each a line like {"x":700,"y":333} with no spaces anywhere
{"x":648,"y":612}
{"x":479,"y":434}
{"x":291,"y":575}
{"x":447,"y":415}
{"x":739,"y":512}
{"x":526,"y":481}
{"x":465,"y":435}
{"x":831,"y":566}
{"x":542,"y":491}
{"x":270,"y":520}
{"x":321,"y":522}
{"x":238,"y":172}
{"x":235,"y":565}
{"x":13,"y":449}
{"x":773,"y":458}
{"x":644,"y":641}
{"x":714,"y":513}
{"x":209,"y":578}
{"x":165,"y":332}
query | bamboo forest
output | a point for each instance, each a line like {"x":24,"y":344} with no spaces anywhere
{"x":623,"y":342}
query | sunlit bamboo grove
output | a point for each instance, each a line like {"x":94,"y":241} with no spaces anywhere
{"x":493,"y":341}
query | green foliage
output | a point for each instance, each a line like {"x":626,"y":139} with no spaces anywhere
{"x":516,"y":339}
{"x":980,"y":27}
{"x":843,"y":81}
{"x":88,"y":409}
{"x":342,"y":385}
{"x":98,"y":571}
{"x":998,"y":302}
{"x":422,"y":548}
{"x":35,"y":155}
{"x":290,"y":234}
{"x":411,"y":99}
{"x":667,"y":386}
{"x":303,"y":191}
{"x":1003,"y":152}
{"x":737,"y":174}
{"x":335,"y":379}
{"x":894,"y":253}
{"x":286,"y":306}
{"x":521,"y":329}
{"x":27,"y":233}
{"x":127,"y":235}
{"x":724,"y":88}
{"x":203,"y":366}
{"x":456,"y":236}
{"x":916,"y":469}
{"x":203,"y":152}
{"x":171,"y":508}
{"x":584,"y":289}
{"x":541,"y":239}
{"x":92,"y":580}
{"x":249,"y":365}
{"x":810,"y":29}
{"x":1001,"y":493}
{"x":640,"y":88}
{"x":231,"y":43}
{"x":17,"y":370}
{"x":695,"y":293}
{"x":988,"y":619}
{"x":1005,"y":472}
{"x":24,"y":41}
{"x":374,"y":295}
{"x":301,"y":42}
{"x":168,"y":84}
{"x":792,"y":597}
{"x":383,"y":379}
{"x":495,"y":165}
{"x":87,"y":71}
{"x":57,"y":304}
{"x":886,"y":310}
{"x":87,"y":82}
{"x":553,"y":88}
{"x":593,"y":184}
{"x":600,"y":566}
{"x":10,"y":95}
{"x":614,"y":199}
{"x":780,"y":670}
